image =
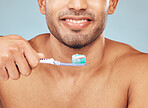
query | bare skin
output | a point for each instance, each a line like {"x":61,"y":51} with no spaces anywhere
{"x":115,"y":75}
{"x":112,"y":84}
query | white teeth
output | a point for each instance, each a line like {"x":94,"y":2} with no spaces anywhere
{"x":76,"y":21}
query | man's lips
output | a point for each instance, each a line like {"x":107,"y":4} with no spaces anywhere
{"x":76,"y":23}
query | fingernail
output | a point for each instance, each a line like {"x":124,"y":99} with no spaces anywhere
{"x":41,"y":55}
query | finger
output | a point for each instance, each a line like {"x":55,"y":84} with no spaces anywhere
{"x":22,"y":64}
{"x":12,"y":70}
{"x":3,"y":73}
{"x":32,"y":57}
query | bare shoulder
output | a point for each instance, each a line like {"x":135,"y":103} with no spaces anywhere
{"x":131,"y":65}
{"x":128,"y":58}
{"x":39,"y":41}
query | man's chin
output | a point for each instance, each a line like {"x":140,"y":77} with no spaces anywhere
{"x":75,"y":46}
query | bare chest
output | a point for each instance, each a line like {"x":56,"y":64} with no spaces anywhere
{"x":34,"y":94}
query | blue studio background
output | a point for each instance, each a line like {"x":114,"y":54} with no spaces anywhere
{"x":127,"y":25}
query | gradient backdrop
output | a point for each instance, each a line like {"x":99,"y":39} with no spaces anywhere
{"x":127,"y":25}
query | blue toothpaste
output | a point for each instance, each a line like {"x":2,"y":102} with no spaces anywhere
{"x":78,"y":59}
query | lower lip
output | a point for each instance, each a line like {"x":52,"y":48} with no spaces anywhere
{"x":76,"y":26}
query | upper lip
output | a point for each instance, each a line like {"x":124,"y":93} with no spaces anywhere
{"x":76,"y":18}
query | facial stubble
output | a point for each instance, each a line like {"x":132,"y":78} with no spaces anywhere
{"x":76,"y":39}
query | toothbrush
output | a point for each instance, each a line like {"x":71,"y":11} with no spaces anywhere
{"x":77,"y":60}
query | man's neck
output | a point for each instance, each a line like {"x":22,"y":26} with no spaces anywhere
{"x":94,"y":56}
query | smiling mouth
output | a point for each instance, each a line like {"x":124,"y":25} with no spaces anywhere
{"x":76,"y":23}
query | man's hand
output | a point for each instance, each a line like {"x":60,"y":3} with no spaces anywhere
{"x":17,"y":57}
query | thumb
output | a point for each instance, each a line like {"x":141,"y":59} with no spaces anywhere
{"x":41,"y":55}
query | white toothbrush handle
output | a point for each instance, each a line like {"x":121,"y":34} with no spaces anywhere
{"x":48,"y":61}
